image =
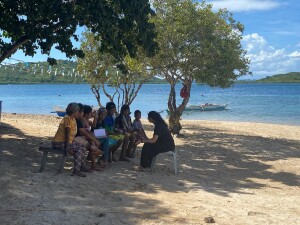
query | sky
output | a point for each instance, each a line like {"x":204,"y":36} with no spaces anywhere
{"x":271,"y":36}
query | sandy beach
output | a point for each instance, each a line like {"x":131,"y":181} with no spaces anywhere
{"x":229,"y":173}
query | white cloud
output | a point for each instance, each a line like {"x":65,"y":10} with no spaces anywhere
{"x":254,"y":40}
{"x":266,"y":60}
{"x":244,"y":5}
{"x":295,"y":54}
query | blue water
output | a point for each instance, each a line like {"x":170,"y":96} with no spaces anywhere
{"x":266,"y":103}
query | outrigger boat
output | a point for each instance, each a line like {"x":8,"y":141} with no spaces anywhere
{"x":60,"y":110}
{"x":205,"y":107}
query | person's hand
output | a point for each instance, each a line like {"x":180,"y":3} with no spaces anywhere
{"x":66,"y":146}
{"x":130,"y":130}
{"x":97,"y":142}
{"x":95,"y":115}
{"x":138,"y":142}
{"x":119,"y":131}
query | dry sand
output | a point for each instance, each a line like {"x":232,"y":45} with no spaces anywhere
{"x":236,"y":173}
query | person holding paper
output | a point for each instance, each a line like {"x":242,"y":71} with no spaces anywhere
{"x":115,"y":133}
{"x":100,"y":133}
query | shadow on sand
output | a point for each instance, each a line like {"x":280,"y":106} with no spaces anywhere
{"x":209,"y":159}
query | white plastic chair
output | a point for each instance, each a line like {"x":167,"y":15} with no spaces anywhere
{"x":175,"y":160}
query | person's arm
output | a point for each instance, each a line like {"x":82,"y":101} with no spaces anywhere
{"x":118,"y":128}
{"x":158,"y":131}
{"x":89,"y":136}
{"x":95,"y":121}
{"x":151,"y":141}
{"x":144,"y":133}
{"x":67,"y":138}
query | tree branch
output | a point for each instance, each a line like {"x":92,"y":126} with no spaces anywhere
{"x":14,"y":48}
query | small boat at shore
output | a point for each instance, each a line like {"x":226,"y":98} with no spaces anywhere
{"x":205,"y":107}
{"x":60,"y":110}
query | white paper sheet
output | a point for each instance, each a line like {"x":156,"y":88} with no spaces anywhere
{"x":100,"y":133}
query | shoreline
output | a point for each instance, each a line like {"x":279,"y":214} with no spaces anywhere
{"x":253,"y":103}
{"x":53,"y":114}
{"x":236,"y":172}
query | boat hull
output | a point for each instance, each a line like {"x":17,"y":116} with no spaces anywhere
{"x":206,"y":107}
{"x":60,"y":113}
{"x":201,"y":108}
{"x":60,"y":110}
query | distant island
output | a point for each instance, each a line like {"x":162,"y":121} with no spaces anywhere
{"x":40,"y":72}
{"x":293,"y":77}
{"x":65,"y":73}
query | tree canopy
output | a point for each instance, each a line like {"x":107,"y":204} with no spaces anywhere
{"x":125,"y":77}
{"x":196,"y":44}
{"x":32,"y":24}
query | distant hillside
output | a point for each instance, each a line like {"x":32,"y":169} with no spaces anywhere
{"x":41,"y":72}
{"x":65,"y":72}
{"x":155,"y":80}
{"x":293,"y":77}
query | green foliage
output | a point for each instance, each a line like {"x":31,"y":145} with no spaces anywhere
{"x":29,"y":25}
{"x":196,"y":44}
{"x":22,"y":73}
{"x":95,"y":64}
{"x":293,"y":77}
{"x":98,"y":68}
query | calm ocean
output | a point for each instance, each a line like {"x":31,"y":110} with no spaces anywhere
{"x":266,"y":103}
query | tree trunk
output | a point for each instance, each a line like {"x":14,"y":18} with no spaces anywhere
{"x":174,"y":123}
{"x":174,"y":111}
{"x":95,"y":89}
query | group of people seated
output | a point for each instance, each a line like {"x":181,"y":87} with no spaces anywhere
{"x":76,"y":135}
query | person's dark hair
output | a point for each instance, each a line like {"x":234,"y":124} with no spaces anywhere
{"x":101,"y":109}
{"x":124,"y":108}
{"x":81,"y":107}
{"x":110,"y":105}
{"x":87,"y":109}
{"x":137,"y":112}
{"x":72,"y":108}
{"x":157,"y":118}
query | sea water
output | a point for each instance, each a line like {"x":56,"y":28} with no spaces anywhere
{"x":266,"y":103}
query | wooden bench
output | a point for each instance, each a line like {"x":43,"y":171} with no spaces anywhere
{"x":45,"y":150}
